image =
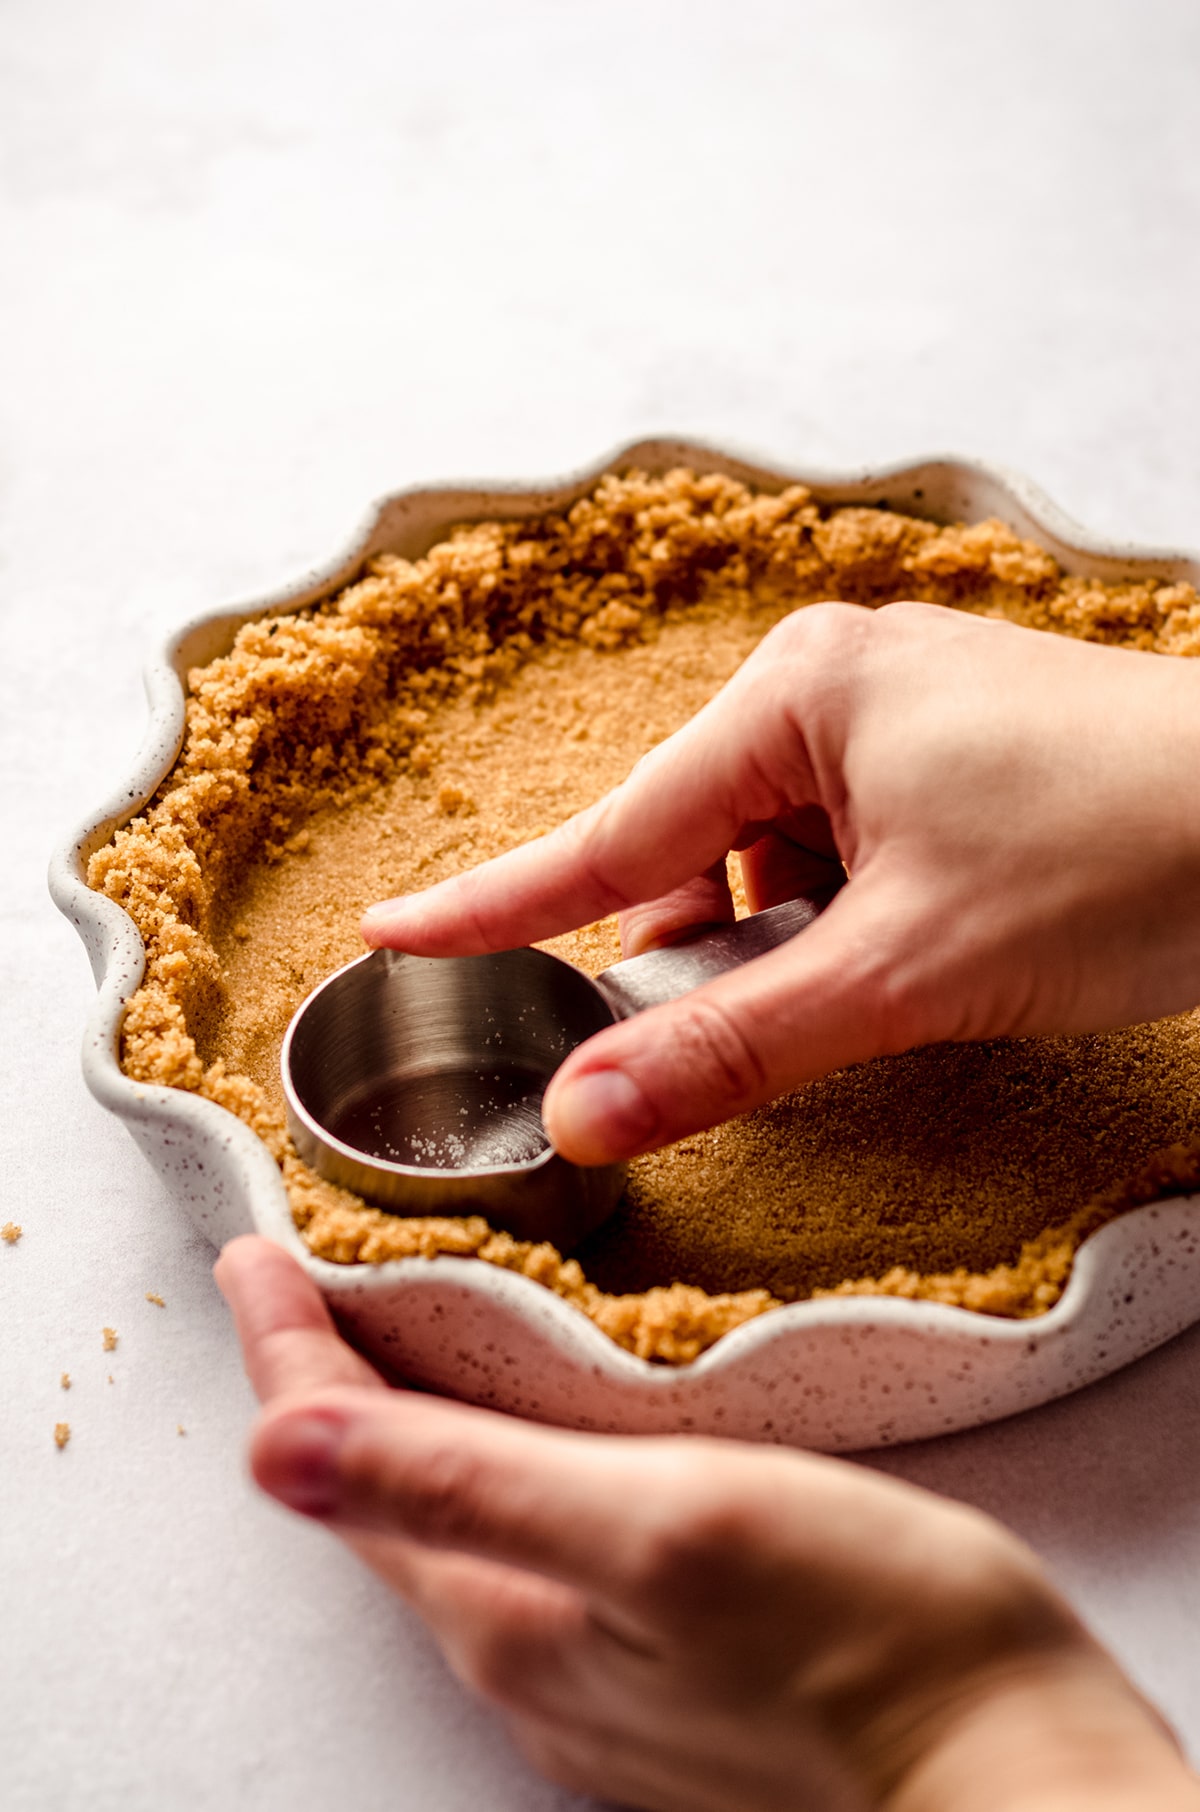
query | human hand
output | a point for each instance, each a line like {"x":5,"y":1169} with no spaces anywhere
{"x":699,"y":1626}
{"x":1014,"y":812}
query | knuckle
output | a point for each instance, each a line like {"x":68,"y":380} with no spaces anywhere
{"x":816,"y":651}
{"x":493,"y":1668}
{"x":811,"y":625}
{"x":713,"y":1049}
{"x":910,"y":613}
{"x":887,"y":982}
{"x":590,"y":837}
{"x":643,"y":927}
{"x":910,"y":1001}
{"x":442,"y":1500}
{"x":898,"y":998}
{"x":646,"y":762}
{"x":815,"y":639}
{"x":692,"y":1563}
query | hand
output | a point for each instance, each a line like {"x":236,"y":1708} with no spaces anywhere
{"x":699,"y":1626}
{"x":1015,"y":813}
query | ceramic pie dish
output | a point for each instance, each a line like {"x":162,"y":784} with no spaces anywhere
{"x":829,"y":1374}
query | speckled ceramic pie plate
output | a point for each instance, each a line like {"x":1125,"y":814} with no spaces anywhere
{"x":832,"y":1374}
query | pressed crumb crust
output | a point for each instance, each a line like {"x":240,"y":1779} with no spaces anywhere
{"x":440,"y":710}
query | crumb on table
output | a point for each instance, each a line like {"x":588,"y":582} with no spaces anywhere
{"x":62,"y":1433}
{"x":110,"y":1339}
{"x":154,"y":1297}
{"x":65,"y":1381}
{"x":10,"y":1233}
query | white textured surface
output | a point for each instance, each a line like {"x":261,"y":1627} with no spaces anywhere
{"x":263,"y":261}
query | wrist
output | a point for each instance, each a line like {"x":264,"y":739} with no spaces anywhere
{"x":1064,"y":1733}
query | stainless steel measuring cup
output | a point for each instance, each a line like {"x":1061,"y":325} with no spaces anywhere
{"x":417,"y":1081}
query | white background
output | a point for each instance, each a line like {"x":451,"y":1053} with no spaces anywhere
{"x":261,"y":260}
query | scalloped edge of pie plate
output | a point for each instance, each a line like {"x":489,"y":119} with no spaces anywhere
{"x":838,"y":1375}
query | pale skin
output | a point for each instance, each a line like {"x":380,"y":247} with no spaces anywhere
{"x":696,"y":1626}
{"x":1017,"y":812}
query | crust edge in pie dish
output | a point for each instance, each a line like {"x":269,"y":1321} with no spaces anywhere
{"x":684,"y":1326}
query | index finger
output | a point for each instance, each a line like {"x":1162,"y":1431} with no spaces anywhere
{"x":289,"y":1340}
{"x":656,"y":1529}
{"x":739,"y":761}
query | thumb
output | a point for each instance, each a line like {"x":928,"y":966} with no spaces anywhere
{"x":455,"y":1478}
{"x":845,"y":988}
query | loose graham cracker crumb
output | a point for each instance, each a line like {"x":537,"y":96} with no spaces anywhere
{"x":10,"y":1233}
{"x":154,"y":1297}
{"x":110,"y":1339}
{"x":65,"y":1381}
{"x":441,"y":710}
{"x":62,"y":1434}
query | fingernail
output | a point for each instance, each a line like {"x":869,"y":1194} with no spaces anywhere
{"x":303,"y":1464}
{"x":376,"y":920}
{"x":599,"y":1117}
{"x":380,"y":909}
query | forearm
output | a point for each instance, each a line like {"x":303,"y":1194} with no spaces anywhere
{"x":1067,"y":1735}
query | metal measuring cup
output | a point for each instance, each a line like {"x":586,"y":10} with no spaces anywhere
{"x":417,"y":1082}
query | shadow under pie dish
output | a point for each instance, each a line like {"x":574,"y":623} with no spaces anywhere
{"x":839,"y":1272}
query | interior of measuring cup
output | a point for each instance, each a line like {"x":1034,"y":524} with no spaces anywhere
{"x":439,"y":1064}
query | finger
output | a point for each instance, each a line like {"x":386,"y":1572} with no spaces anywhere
{"x":291,"y":1345}
{"x":289,"y":1341}
{"x":701,"y":904}
{"x":823,"y":1000}
{"x":581,"y":1510}
{"x":774,"y":869}
{"x":507,"y":1633}
{"x":526,"y":1643}
{"x":809,"y":828}
{"x":662,"y":1538}
{"x":647,"y":837}
{"x":741,"y":760}
{"x":515,"y":1637}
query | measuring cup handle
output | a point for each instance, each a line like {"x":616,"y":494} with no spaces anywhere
{"x":661,"y":975}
